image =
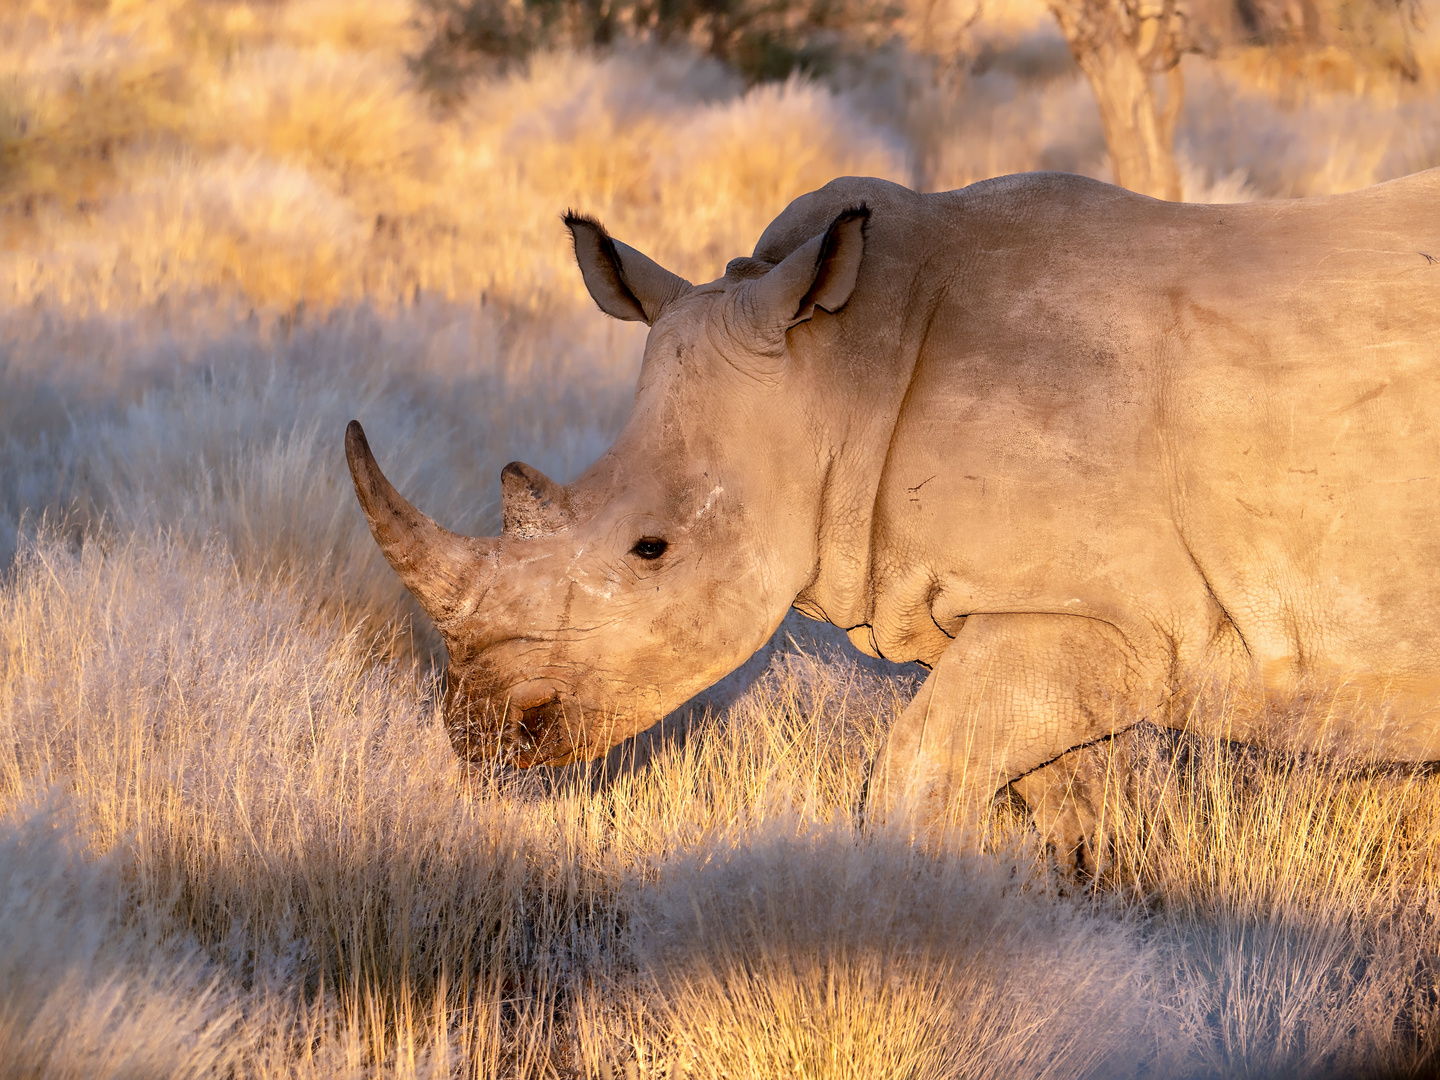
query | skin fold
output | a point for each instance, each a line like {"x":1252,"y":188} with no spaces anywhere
{"x":1082,"y":453}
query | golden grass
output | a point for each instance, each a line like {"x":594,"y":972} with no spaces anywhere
{"x":233,"y":838}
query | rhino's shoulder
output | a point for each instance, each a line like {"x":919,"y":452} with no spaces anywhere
{"x":896,"y":209}
{"x":810,"y":214}
{"x":1057,"y":196}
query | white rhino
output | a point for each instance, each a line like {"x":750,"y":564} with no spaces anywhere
{"x":1079,"y":451}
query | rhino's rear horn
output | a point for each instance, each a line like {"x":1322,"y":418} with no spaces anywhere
{"x":531,"y":503}
{"x":443,"y":570}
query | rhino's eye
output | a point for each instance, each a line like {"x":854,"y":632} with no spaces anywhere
{"x":649,"y":547}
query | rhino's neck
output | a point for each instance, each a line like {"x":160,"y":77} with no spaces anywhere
{"x":859,"y":365}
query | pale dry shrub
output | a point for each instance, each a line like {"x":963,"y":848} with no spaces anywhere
{"x":1023,"y":106}
{"x":374,"y":26}
{"x":1306,"y":143}
{"x":341,"y":112}
{"x":260,"y":226}
{"x":279,"y":165}
{"x":675,"y":165}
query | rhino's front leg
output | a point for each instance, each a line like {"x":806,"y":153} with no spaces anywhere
{"x":1009,"y":694}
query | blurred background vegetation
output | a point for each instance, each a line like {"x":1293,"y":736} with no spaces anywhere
{"x":770,"y":39}
{"x":332,"y":150}
{"x":1121,"y":45}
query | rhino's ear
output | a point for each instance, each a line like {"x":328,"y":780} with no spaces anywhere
{"x":625,"y":283}
{"x":819,"y":273}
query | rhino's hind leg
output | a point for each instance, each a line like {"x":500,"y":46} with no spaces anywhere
{"x":1009,"y":694}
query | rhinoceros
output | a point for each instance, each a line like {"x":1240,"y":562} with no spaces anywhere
{"x":1076,"y":450}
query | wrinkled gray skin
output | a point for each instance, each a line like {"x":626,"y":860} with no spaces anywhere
{"x":1079,"y":451}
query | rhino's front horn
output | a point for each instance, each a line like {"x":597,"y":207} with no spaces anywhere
{"x":439,"y":567}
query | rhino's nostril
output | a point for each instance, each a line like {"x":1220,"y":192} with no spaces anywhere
{"x":533,"y":718}
{"x":525,"y":732}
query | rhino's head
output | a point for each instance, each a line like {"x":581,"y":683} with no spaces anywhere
{"x":607,"y":602}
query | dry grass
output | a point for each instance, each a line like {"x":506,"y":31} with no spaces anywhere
{"x":233,"y":839}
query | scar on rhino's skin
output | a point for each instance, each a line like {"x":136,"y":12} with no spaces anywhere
{"x":709,"y":501}
{"x":914,"y":496}
{"x":1369,"y":395}
{"x":1430,"y":260}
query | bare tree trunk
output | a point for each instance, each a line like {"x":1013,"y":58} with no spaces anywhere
{"x":1119,"y":45}
{"x":1139,"y":135}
